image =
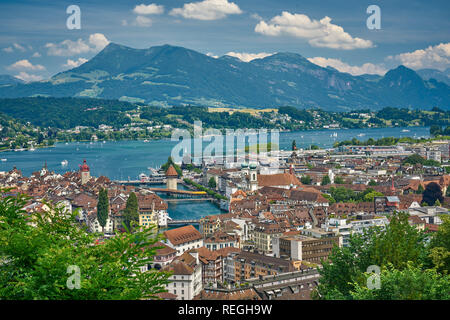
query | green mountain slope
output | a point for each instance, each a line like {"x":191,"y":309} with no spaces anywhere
{"x":168,"y":75}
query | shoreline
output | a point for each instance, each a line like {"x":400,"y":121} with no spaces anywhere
{"x":165,"y":138}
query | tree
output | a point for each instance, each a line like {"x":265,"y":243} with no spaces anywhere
{"x":306,"y":179}
{"x":411,"y":283}
{"x":170,"y":162}
{"x":396,"y":245}
{"x":435,"y":130}
{"x":432,"y":193}
{"x":420,"y":189}
{"x":440,"y":246}
{"x":369,"y":197}
{"x":326,"y":180}
{"x":131,"y":212}
{"x":212,"y":183}
{"x":40,"y":138}
{"x":37,"y":258}
{"x":372,"y":183}
{"x":329,"y":198}
{"x":102,"y":208}
{"x":339,"y":180}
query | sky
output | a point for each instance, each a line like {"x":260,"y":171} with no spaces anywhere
{"x":36,"y":43}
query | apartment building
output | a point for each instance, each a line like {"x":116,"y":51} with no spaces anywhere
{"x":220,"y":240}
{"x":186,"y":278}
{"x":299,"y":247}
{"x":247,"y":265}
{"x":263,"y":234}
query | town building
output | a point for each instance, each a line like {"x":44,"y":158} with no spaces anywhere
{"x":164,"y":256}
{"x":245,"y":265}
{"x":183,"y":239}
{"x":186,"y":279}
{"x":220,"y":240}
{"x":299,"y":247}
{"x":263,"y":235}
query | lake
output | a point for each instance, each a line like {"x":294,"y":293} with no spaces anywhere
{"x":123,"y":160}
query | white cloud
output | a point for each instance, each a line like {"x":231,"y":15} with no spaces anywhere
{"x":212,"y":55}
{"x":207,"y":10}
{"x":256,"y":16}
{"x":25,"y":65}
{"x":36,"y":55}
{"x":74,"y":63}
{"x":142,"y":21}
{"x":247,"y":57}
{"x":366,"y":68}
{"x":434,"y":57}
{"x":16,"y":46}
{"x":320,"y":33}
{"x":67,"y":48}
{"x":152,"y":8}
{"x":28,"y":77}
{"x":19,"y":47}
{"x":96,"y":42}
{"x":124,"y":22}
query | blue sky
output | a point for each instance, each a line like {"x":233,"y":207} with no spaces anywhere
{"x":35,"y":42}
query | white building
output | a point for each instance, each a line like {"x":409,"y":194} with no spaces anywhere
{"x":183,"y":239}
{"x":94,"y":225}
{"x":343,"y":228}
{"x":186,"y":278}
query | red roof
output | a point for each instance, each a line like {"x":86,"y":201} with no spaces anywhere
{"x":84,"y":167}
{"x":182,"y":235}
{"x":171,"y":172}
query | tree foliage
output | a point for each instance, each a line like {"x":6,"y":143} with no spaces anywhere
{"x":411,"y":283}
{"x":306,"y":179}
{"x":37,"y":249}
{"x":325,"y":180}
{"x":403,"y":255}
{"x":212,"y":183}
{"x":169,"y":162}
{"x":102,"y":207}
{"x":432,"y":193}
{"x":131,"y":212}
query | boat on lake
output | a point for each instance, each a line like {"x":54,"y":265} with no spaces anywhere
{"x":64,"y":163}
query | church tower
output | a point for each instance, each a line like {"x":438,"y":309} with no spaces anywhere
{"x":85,"y":173}
{"x":253,"y":177}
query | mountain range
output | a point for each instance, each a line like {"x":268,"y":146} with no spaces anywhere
{"x":170,"y":75}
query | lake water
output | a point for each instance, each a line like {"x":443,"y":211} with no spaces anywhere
{"x":123,"y":160}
